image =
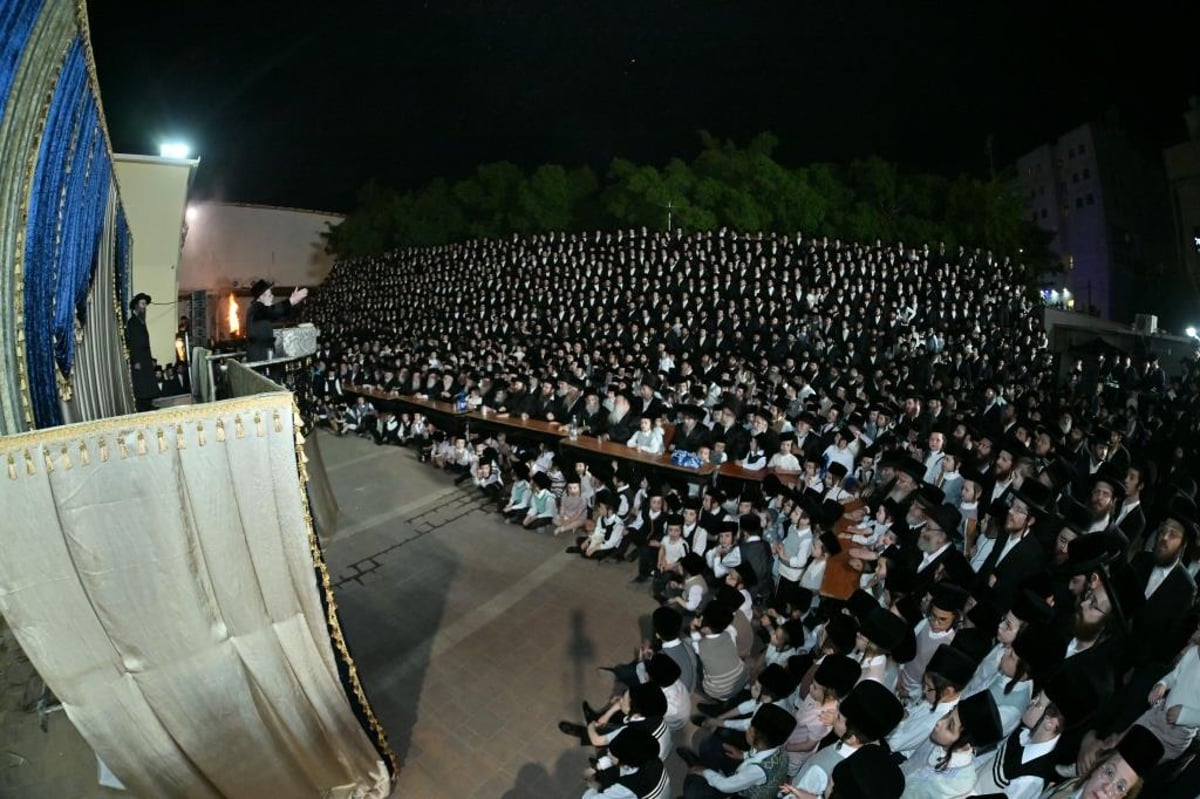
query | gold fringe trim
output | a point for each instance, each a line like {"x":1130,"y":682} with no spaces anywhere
{"x":220,"y":430}
{"x":85,"y":458}
{"x":162,"y":440}
{"x":121,"y":448}
{"x":12,"y":467}
{"x":64,"y":461}
{"x":259,"y":430}
{"x":30,"y":469}
{"x":103,"y":451}
{"x":200,"y":438}
{"x":180,"y":440}
{"x":48,"y":459}
{"x":331,"y":616}
{"x":238,"y":429}
{"x":141,"y":443}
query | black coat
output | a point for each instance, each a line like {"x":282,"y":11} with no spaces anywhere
{"x":141,"y":360}
{"x":1157,"y":624}
{"x":260,"y":335}
{"x":1026,"y":559}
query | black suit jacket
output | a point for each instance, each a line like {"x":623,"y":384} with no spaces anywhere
{"x":691,"y":442}
{"x":1026,"y":559}
{"x":1133,"y":525}
{"x":1157,"y":624}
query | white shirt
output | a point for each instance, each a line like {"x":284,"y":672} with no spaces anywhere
{"x":785,"y":463}
{"x":1157,"y":575}
{"x":679,"y":705}
{"x":917,"y":724}
{"x":749,"y":773}
{"x":930,"y":557}
{"x":1126,"y":509}
{"x":1009,"y":543}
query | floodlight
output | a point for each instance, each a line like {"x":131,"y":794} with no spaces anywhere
{"x":191,"y":213}
{"x":174,"y":150}
{"x":1191,"y":331}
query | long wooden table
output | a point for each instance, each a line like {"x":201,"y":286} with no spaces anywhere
{"x":733,"y":470}
{"x":427,"y":405}
{"x":534,"y":426}
{"x":611,"y":449}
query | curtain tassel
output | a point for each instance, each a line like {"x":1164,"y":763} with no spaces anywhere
{"x":85,"y":457}
{"x":259,"y":430}
{"x":200,"y":437}
{"x":64,"y":462}
{"x":12,"y":467}
{"x":238,"y":428}
{"x":122,"y":450}
{"x":180,"y":442}
{"x":30,"y":469}
{"x":141,"y":443}
{"x":162,"y":440}
{"x":278,"y":422}
{"x":104,"y":450}
{"x":220,"y":429}
{"x":48,"y":460}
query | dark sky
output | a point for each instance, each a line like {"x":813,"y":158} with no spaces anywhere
{"x":300,"y":104}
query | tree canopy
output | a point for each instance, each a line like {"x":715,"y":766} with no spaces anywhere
{"x":743,"y":188}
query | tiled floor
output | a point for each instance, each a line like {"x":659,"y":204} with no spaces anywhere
{"x":473,"y":639}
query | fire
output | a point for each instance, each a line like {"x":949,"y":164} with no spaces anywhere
{"x":234,"y":326}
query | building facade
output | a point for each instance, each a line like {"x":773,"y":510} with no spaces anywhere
{"x":1106,"y":207}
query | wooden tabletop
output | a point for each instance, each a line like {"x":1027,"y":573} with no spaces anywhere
{"x":840,"y":580}
{"x":435,"y":406}
{"x":738,"y":472}
{"x":517,"y":423}
{"x":611,"y":449}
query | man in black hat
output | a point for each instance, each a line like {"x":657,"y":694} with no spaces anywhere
{"x":1017,"y":554}
{"x":1166,"y":585}
{"x":260,"y":336}
{"x":690,"y":434}
{"x":141,"y":359}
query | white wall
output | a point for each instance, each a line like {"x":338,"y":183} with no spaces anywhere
{"x":228,"y":242}
{"x":154,"y":192}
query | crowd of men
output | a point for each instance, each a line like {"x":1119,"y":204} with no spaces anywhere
{"x":1023,"y":533}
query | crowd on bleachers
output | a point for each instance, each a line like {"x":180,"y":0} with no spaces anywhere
{"x":1024,"y":531}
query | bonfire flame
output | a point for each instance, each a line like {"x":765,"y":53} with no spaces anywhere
{"x":234,"y":326}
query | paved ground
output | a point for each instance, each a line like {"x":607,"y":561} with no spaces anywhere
{"x":472,"y":637}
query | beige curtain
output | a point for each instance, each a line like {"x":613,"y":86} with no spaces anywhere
{"x":99,"y":385}
{"x":159,"y":572}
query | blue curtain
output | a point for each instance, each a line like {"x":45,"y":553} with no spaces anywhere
{"x":17,"y":18}
{"x":124,"y":252}
{"x":67,"y":202}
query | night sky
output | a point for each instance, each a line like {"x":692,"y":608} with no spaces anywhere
{"x":299,"y":104}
